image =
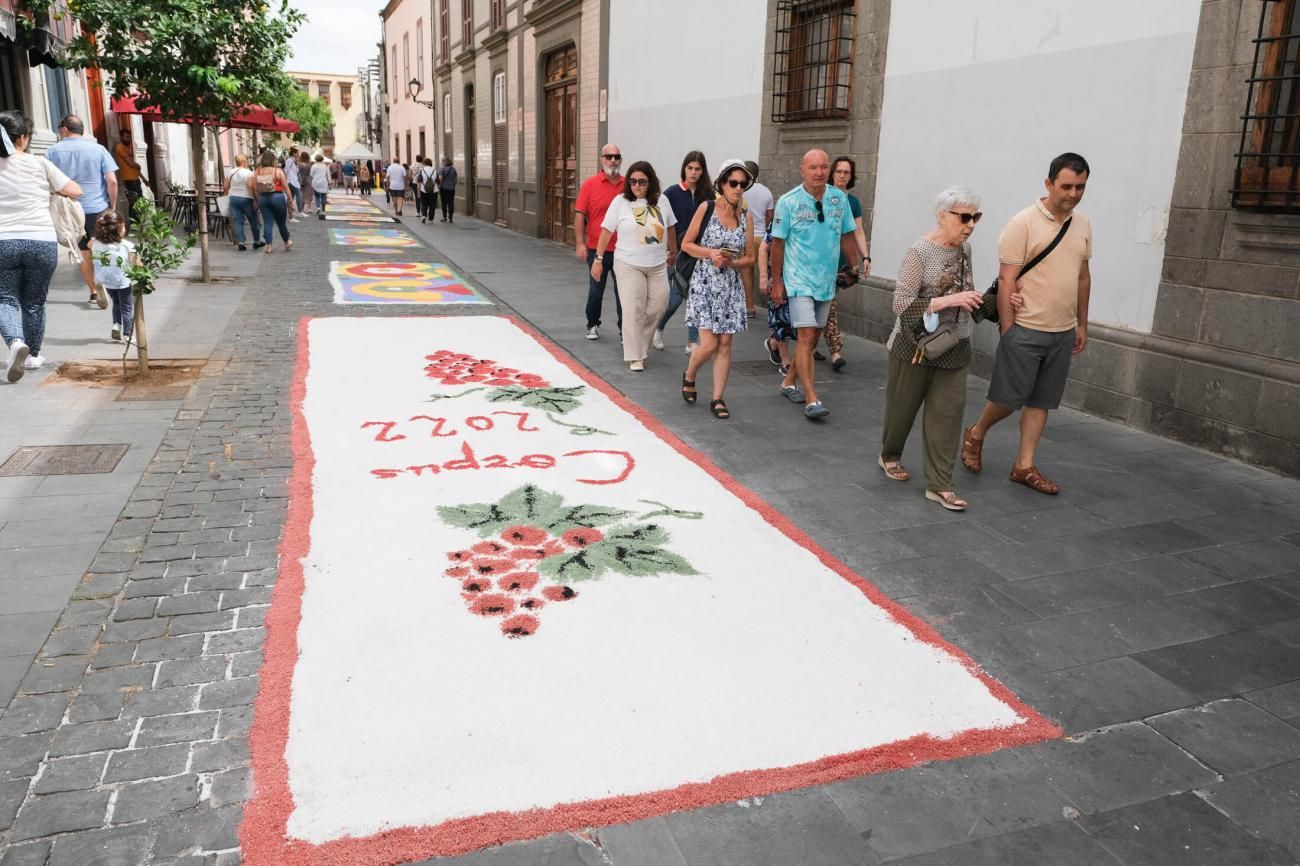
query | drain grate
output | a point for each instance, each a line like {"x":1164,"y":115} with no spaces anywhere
{"x":154,"y":392}
{"x":62,"y":460}
{"x":753,"y":368}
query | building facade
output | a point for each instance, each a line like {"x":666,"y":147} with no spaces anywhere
{"x":1194,"y":310}
{"x":344,"y":93}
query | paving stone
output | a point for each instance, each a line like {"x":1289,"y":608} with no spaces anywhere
{"x":97,"y":707}
{"x":1103,"y":693}
{"x":183,"y":728}
{"x":1231,"y":736}
{"x":119,"y":846}
{"x":245,"y":664}
{"x":202,"y":622}
{"x":166,"y":648}
{"x":30,"y":713}
{"x":60,"y":813}
{"x":1282,"y":700}
{"x":11,"y":797}
{"x":91,"y":737}
{"x":231,"y":786}
{"x":129,"y":676}
{"x":182,"y":672}
{"x":1237,"y":606}
{"x":30,"y":854}
{"x":79,"y":773}
{"x":71,"y":641}
{"x":1061,"y":844}
{"x":161,"y":702}
{"x":229,"y":693}
{"x":159,"y":586}
{"x":147,"y":763}
{"x":202,"y":829}
{"x":238,"y":641}
{"x":143,"y":800}
{"x":112,"y":655}
{"x":100,"y":586}
{"x":134,"y":608}
{"x":21,"y":756}
{"x":1181,"y":829}
{"x":1266,"y":803}
{"x":190,"y":602}
{"x":135,"y":630}
{"x":1225,"y":665}
{"x":219,"y":755}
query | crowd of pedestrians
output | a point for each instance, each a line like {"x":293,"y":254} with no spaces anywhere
{"x":720,"y":246}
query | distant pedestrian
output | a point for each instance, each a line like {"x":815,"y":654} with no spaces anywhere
{"x":240,"y":188}
{"x":643,"y":221}
{"x":320,"y":184}
{"x":128,"y":170}
{"x":694,"y":189}
{"x":720,"y":239}
{"x":28,"y":244}
{"x":426,"y":182}
{"x":929,"y":347}
{"x":111,"y":254}
{"x":364,"y":179}
{"x":447,"y":190}
{"x":1050,"y":326}
{"x":349,"y":177}
{"x":760,"y":202}
{"x":92,"y":167}
{"x":270,"y":183}
{"x":844,"y":176}
{"x":812,"y":223}
{"x":593,"y":200}
{"x":292,"y":177}
{"x":396,"y":176}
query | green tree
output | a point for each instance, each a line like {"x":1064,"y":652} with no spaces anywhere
{"x":311,"y":114}
{"x":199,"y":61}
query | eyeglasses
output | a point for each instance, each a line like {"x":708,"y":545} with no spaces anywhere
{"x":967,"y":217}
{"x":638,"y":181}
{"x":612,"y":157}
{"x":733,"y":183}
{"x":821,"y":214}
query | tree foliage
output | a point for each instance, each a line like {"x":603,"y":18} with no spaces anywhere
{"x":311,"y":114}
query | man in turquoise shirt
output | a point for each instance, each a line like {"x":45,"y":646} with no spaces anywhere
{"x":812,"y":227}
{"x":94,"y":169}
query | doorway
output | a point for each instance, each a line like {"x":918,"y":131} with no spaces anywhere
{"x":471,"y":151}
{"x":561,"y":142}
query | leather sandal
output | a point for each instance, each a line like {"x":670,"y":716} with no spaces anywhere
{"x":1034,"y":480}
{"x":947,"y":499}
{"x":972,"y":450}
{"x":689,"y":396}
{"x":719,"y":410}
{"x":893,"y":469}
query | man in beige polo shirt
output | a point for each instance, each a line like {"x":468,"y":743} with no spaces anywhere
{"x":1051,"y":323}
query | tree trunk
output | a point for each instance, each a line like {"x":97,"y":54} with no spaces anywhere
{"x":141,"y":338}
{"x":200,"y":197}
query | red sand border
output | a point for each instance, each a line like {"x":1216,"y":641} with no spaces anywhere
{"x":263,"y":834}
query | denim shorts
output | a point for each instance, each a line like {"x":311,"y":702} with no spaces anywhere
{"x":807,"y":313}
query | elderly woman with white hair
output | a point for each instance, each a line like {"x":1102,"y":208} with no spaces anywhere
{"x":929,"y":348}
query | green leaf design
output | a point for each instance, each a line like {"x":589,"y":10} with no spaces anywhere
{"x":585,"y":515}
{"x":559,"y":400}
{"x":636,"y":550}
{"x":531,"y":505}
{"x":571,"y":567}
{"x":485,"y":518}
{"x":638,"y":535}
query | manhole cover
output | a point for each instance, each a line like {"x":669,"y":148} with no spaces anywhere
{"x":154,"y":392}
{"x":62,"y":460}
{"x":753,"y":368}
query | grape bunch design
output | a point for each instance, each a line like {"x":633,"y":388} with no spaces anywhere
{"x":535,"y":547}
{"x":450,"y":368}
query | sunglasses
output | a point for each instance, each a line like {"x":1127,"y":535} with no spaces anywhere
{"x":967,"y":217}
{"x":821,"y":214}
{"x":612,"y":157}
{"x":734,"y":184}
{"x":638,"y":181}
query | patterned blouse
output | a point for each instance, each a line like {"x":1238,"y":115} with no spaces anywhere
{"x":929,"y":271}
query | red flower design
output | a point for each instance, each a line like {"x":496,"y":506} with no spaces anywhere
{"x":489,"y":548}
{"x":558,"y":593}
{"x":453,"y":369}
{"x":476,"y":584}
{"x":519,"y":581}
{"x":460,"y":556}
{"x":582,"y":536}
{"x":520,"y":626}
{"x":524,"y":554}
{"x":532,"y":604}
{"x":492,"y":567}
{"x":525,"y":536}
{"x":492,"y":604}
{"x":458,"y":571}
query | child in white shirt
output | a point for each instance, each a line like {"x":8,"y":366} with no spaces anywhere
{"x":111,"y":254}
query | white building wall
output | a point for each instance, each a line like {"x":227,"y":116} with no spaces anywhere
{"x":684,"y":94}
{"x":985,"y":93}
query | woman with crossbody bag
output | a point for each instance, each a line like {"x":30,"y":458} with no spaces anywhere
{"x":929,"y":348}
{"x":270,"y":182}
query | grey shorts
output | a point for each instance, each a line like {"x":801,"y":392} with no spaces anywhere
{"x":1031,"y":368}
{"x":807,"y":313}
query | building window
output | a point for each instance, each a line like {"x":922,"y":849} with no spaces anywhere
{"x":345,"y":95}
{"x":813,"y":72}
{"x":56,"y":91}
{"x":444,"y":30}
{"x":424,"y":147}
{"x":499,"y":98}
{"x":446,"y":112}
{"x":323,"y":90}
{"x":396,"y":90}
{"x":498,"y":14}
{"x":304,"y":86}
{"x":397,"y":148}
{"x":419,"y":50}
{"x":466,"y":24}
{"x":1268,"y":161}
{"x":406,"y":59}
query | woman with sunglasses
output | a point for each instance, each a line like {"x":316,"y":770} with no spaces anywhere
{"x":935,"y":289}
{"x":844,"y":176}
{"x":643,"y":221}
{"x":716,"y":305}
{"x":695,"y":189}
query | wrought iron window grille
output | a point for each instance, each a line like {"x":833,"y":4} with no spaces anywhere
{"x":1267,"y":175}
{"x":812,"y":73}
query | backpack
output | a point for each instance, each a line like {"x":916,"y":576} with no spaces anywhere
{"x":268,"y":185}
{"x":69,"y":225}
{"x":428,"y":181}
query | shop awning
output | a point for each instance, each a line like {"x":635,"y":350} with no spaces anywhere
{"x":46,"y":41}
{"x":284,"y":125}
{"x":8,"y":23}
{"x":250,"y":117}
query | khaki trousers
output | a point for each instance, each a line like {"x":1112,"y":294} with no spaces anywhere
{"x":943,"y":392}
{"x":643,"y":292}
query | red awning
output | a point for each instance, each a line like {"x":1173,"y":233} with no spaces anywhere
{"x":250,"y":117}
{"x":284,"y":125}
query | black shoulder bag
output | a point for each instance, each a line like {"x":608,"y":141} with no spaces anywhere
{"x":989,"y":308}
{"x":684,"y":266}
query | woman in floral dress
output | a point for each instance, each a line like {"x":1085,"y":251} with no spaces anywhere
{"x":717,"y":303}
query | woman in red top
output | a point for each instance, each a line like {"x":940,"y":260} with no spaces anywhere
{"x":269,"y":184}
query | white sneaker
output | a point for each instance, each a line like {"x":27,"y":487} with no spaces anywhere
{"x":18,"y":352}
{"x":117,"y":334}
{"x":637,"y":366}
{"x":34,"y":362}
{"x":658,"y":340}
{"x":593,"y":333}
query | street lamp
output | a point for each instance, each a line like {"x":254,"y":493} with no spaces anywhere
{"x":413,"y":87}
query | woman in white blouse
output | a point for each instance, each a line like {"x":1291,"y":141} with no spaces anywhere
{"x":28,"y":244}
{"x":646,"y":246}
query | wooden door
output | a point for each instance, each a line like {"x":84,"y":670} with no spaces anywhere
{"x":561,"y":118}
{"x":471,"y":151}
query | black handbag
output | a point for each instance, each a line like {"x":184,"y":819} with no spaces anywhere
{"x":989,"y":308}
{"x":684,"y":266}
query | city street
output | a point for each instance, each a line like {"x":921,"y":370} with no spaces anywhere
{"x":223,"y":650}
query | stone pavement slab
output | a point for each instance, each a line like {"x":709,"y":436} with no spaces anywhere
{"x":1150,"y":608}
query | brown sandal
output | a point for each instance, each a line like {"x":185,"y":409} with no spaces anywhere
{"x":893,"y":469}
{"x":947,"y":499}
{"x":972,"y":450}
{"x":1034,"y":480}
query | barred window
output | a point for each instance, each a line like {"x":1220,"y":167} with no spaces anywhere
{"x":444,"y":31}
{"x":498,"y":14}
{"x":813,"y":71}
{"x":1268,"y":161}
{"x":466,"y":24}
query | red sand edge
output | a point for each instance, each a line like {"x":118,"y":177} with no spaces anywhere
{"x":263,"y":834}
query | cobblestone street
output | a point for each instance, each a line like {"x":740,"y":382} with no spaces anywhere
{"x":1152,"y":610}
